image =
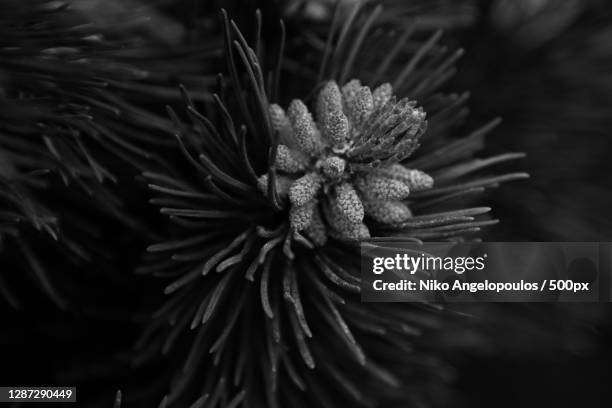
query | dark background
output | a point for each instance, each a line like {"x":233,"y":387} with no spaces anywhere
{"x":548,"y":73}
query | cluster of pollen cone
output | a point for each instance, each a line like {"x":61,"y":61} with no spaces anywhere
{"x":342,"y":168}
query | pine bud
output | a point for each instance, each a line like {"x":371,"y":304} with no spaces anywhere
{"x":358,"y":101}
{"x":382,"y":95}
{"x":387,"y":212}
{"x":287,"y":160}
{"x":356,"y":233}
{"x":415,"y":179}
{"x":300,"y":217}
{"x":349,"y":90}
{"x":344,"y":229}
{"x":304,"y":129}
{"x":277,"y":117}
{"x":352,"y":232}
{"x":329,"y":99}
{"x":334,"y":123}
{"x":304,"y":189}
{"x":377,"y":187}
{"x":335,"y":127}
{"x":333,"y":166}
{"x":316,"y":231}
{"x":347,"y":204}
